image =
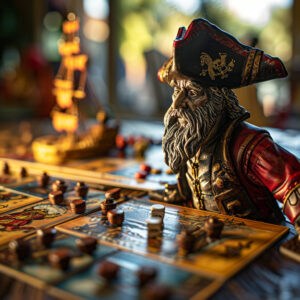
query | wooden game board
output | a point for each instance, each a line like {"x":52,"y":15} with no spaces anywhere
{"x":251,"y":236}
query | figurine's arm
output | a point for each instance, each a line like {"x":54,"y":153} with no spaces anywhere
{"x":279,"y":171}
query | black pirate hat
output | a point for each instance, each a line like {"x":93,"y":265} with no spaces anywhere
{"x":207,"y":54}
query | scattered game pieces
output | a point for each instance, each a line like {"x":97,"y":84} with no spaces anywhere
{"x":44,"y":180}
{"x":186,"y":241}
{"x":115,"y":216}
{"x":107,"y":204}
{"x":291,"y":248}
{"x":46,"y":237}
{"x":23,"y":172}
{"x":108,"y":270}
{"x":113,"y":193}
{"x":158,"y":210}
{"x":19,"y":249}
{"x":56,"y":197}
{"x":60,"y":259}
{"x":213,"y":227}
{"x":140,"y":175}
{"x":155,"y":171}
{"x":81,"y":189}
{"x":156,"y":292}
{"x":59,"y":185}
{"x":77,"y":206}
{"x":145,"y":168}
{"x":146,"y":274}
{"x":6,"y":169}
{"x":87,"y":244}
{"x":153,"y":227}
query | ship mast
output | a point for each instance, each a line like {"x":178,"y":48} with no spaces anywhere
{"x":65,"y":115}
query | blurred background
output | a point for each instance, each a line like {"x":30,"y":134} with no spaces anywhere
{"x":127,"y":41}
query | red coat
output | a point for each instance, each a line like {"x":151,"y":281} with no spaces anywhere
{"x":264,"y":167}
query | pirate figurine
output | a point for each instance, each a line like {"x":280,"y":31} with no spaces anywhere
{"x":223,"y":163}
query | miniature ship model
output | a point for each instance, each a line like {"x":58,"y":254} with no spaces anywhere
{"x":65,"y":115}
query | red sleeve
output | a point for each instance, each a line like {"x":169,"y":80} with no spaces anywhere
{"x":278,"y":170}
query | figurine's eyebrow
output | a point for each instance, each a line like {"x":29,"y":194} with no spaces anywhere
{"x":194,"y":86}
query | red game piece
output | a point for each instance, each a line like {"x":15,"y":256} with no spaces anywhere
{"x":140,"y":175}
{"x":120,"y":142}
{"x":145,"y":168}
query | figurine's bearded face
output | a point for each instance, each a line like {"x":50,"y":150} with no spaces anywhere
{"x":188,"y":122}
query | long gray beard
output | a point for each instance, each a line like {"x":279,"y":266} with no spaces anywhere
{"x":181,"y":143}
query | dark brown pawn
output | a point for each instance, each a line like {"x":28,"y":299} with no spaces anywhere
{"x":56,"y":197}
{"x":156,"y":292}
{"x":115,"y":216}
{"x":81,"y":189}
{"x":60,"y":259}
{"x":77,"y":206}
{"x":43,"y":180}
{"x":6,"y":169}
{"x":87,"y":244}
{"x":59,"y":185}
{"x":20,"y":249}
{"x":113,"y":193}
{"x":108,"y":270}
{"x":46,"y":236}
{"x":213,"y":227}
{"x":146,"y":274}
{"x":186,"y":241}
{"x":23,"y":172}
{"x":107,"y":204}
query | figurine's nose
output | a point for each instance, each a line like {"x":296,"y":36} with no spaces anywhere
{"x":178,"y":99}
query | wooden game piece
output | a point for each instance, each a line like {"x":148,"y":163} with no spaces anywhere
{"x":213,"y":227}
{"x":107,"y":204}
{"x":113,"y":193}
{"x":43,"y":180}
{"x":140,"y":175}
{"x":186,"y":241}
{"x":120,"y":142}
{"x":87,"y":244}
{"x":155,"y":171}
{"x":56,"y":197}
{"x":6,"y":169}
{"x":156,"y":291}
{"x":158,"y":210}
{"x":23,"y":172}
{"x":115,"y":216}
{"x":59,"y":185}
{"x":145,"y":168}
{"x":60,"y":258}
{"x":154,"y":227}
{"x":108,"y":270}
{"x":46,"y":237}
{"x":19,"y":249}
{"x":81,"y":189}
{"x":169,"y":172}
{"x":146,"y":274}
{"x":77,"y":206}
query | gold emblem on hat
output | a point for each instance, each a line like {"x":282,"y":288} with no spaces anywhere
{"x":217,"y":67}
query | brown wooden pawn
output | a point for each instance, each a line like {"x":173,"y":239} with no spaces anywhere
{"x":77,"y":206}
{"x":108,"y":270}
{"x":81,"y":189}
{"x":43,"y":180}
{"x":60,"y":259}
{"x":107,"y":204}
{"x":6,"y":169}
{"x":87,"y":244}
{"x":46,"y":237}
{"x":186,"y":241}
{"x":115,"y":216}
{"x":23,"y":172}
{"x":213,"y":227}
{"x":113,"y":193}
{"x":19,"y":249}
{"x":59,"y":185}
{"x":56,"y":197}
{"x":146,"y":274}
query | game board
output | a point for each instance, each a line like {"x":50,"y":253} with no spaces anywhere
{"x":250,"y":237}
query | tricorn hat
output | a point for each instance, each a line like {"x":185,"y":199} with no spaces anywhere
{"x":212,"y":57}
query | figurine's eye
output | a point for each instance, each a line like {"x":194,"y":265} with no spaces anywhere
{"x":192,"y":93}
